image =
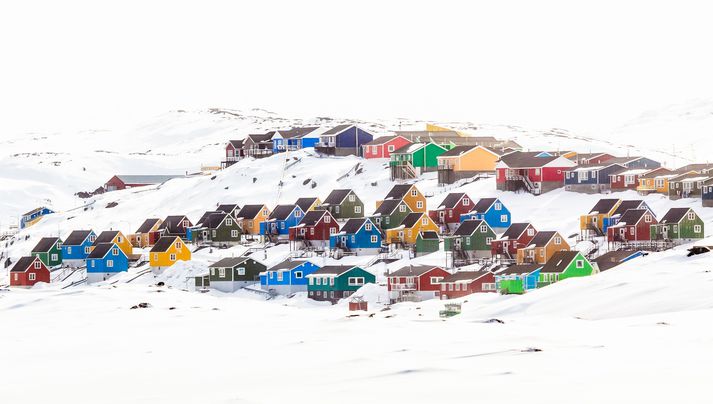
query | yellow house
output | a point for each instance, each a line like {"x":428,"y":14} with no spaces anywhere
{"x":117,"y":238}
{"x":541,"y":248}
{"x":409,"y":194}
{"x":143,"y":236}
{"x":598,"y":217}
{"x":469,"y":158}
{"x":250,"y":216}
{"x":167,"y":251}
{"x":308,"y":204}
{"x":655,"y":181}
{"x":412,"y":224}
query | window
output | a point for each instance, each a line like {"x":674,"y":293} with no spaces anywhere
{"x":414,"y":192}
{"x":419,"y":204}
{"x":311,"y":231}
{"x":489,"y":240}
{"x":119,"y":239}
{"x":69,"y":250}
{"x":87,"y":250}
{"x":356,"y":281}
{"x":302,"y":231}
{"x":336,"y":209}
{"x":387,"y":219}
{"x":328,"y":219}
{"x":92,"y":238}
{"x":467,"y":241}
{"x":374,"y":239}
{"x":357,"y":209}
{"x":331,"y":293}
{"x":580,"y":264}
{"x":331,"y":281}
{"x":279,"y":275}
{"x":402,"y":208}
{"x":391,"y":148}
{"x":697,"y":228}
{"x":691,"y":216}
{"x":435,"y":280}
{"x":466,"y":201}
{"x":332,"y":230}
{"x":234,"y":233}
{"x":631,"y":230}
{"x":318,"y":281}
{"x":488,"y":286}
{"x":311,"y":282}
{"x":542,"y":252}
{"x":110,"y":263}
{"x":503,"y":218}
{"x":498,"y":206}
{"x":367,"y":227}
{"x":352,"y":198}
{"x":424,"y":221}
{"x":298,"y":274}
{"x":409,"y":233}
{"x":229,"y":222}
{"x":54,"y":257}
{"x":353,"y":238}
{"x":178,"y":245}
{"x":558,"y":240}
{"x":155,"y":257}
{"x":298,"y":213}
{"x":647,"y":218}
{"x":172,"y":257}
{"x":214,"y":233}
{"x":114,"y":251}
{"x":530,"y":232}
{"x":94,"y":263}
{"x":374,"y":149}
{"x":32,"y":276}
{"x":221,"y":272}
{"x":443,"y":287}
{"x":483,"y":229}
{"x":38,"y":265}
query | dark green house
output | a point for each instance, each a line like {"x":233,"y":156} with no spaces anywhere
{"x":217,"y":228}
{"x":343,"y":204}
{"x":471,"y":239}
{"x":231,"y":274}
{"x":679,"y":224}
{"x":49,"y":250}
{"x":427,"y":242}
{"x":390,"y":213}
{"x":331,"y":283}
{"x":563,"y":265}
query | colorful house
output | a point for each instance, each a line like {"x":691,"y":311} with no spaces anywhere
{"x":390,"y":214}
{"x":230,"y":208}
{"x":294,"y":139}
{"x":105,"y":261}
{"x":563,"y":265}
{"x":49,"y":251}
{"x":628,"y":179}
{"x":335,"y":282}
{"x":591,"y":178}
{"x":533,"y":172}
{"x":119,"y":182}
{"x":35,"y":215}
{"x":707,"y":193}
{"x":382,"y":147}
{"x":447,"y":215}
{"x":280,"y":220}
{"x":688,"y":185}
{"x":314,"y":230}
{"x":408,"y":193}
{"x":613,"y":259}
{"x":217,"y":228}
{"x":472,"y":239}
{"x":466,"y":161}
{"x":622,"y":208}
{"x":147,"y":234}
{"x":599,"y":217}
{"x":307,"y":204}
{"x":358,"y":236}
{"x":655,"y":181}
{"x":233,"y":153}
{"x":250,"y":217}
{"x":116,"y":237}
{"x":287,"y":277}
{"x":28,"y":271}
{"x":177,"y":226}
{"x":634,"y":226}
{"x":427,"y":242}
{"x":464,"y":283}
{"x":517,"y":236}
{"x":231,"y":274}
{"x":167,"y":251}
{"x":678,"y":225}
{"x":541,"y":248}
{"x":517,"y":279}
{"x":415,"y":283}
{"x":407,"y":231}
{"x":343,"y":140}
{"x":415,"y":159}
{"x":343,"y":204}
{"x":492,"y":210}
{"x":77,"y":246}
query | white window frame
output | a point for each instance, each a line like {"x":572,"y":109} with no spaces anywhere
{"x":357,"y":209}
{"x":32,"y":276}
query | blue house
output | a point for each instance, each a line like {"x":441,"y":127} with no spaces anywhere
{"x":343,"y":140}
{"x":77,"y":246}
{"x":280,"y":220}
{"x":294,"y":139}
{"x":34,"y":216}
{"x":105,"y":261}
{"x":287,"y":277}
{"x":358,"y":235}
{"x":591,"y":178}
{"x":495,"y":214}
{"x":517,"y":279}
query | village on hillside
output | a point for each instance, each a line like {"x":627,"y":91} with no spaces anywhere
{"x":486,"y":251}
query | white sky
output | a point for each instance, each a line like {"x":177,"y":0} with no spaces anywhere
{"x":542,"y":63}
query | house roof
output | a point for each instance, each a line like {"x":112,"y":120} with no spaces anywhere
{"x":612,"y":258}
{"x":338,"y":129}
{"x":282,"y":212}
{"x":35,"y":210}
{"x":542,"y":238}
{"x":425,"y":135}
{"x":23,"y":264}
{"x":227,"y":207}
{"x":147,"y":225}
{"x":559,"y":261}
{"x":100,"y":250}
{"x":352,"y":225}
{"x":411,"y":219}
{"x":382,"y":140}
{"x":657,"y":172}
{"x":460,"y":150}
{"x":203,"y":218}
{"x":398,"y":192}
{"x":409,"y":148}
{"x":518,"y":159}
{"x":305,"y":203}
{"x":249,"y":211}
{"x":287,"y":265}
{"x":77,"y":237}
{"x":604,"y":206}
{"x":674,"y":215}
{"x":163,"y":244}
{"x":172,"y":222}
{"x":106,"y":236}
{"x":521,"y":269}
{"x":429,"y":235}
{"x":146,"y":179}
{"x":214,"y":220}
{"x":695,"y":167}
{"x":388,"y":206}
{"x":514,"y":231}
{"x":626,"y":205}
{"x":261,"y":137}
{"x":297,"y":132}
{"x":631,"y":217}
{"x":413,"y":270}
{"x":465,"y":276}
{"x":312,"y":217}
{"x":451,"y":200}
{"x":229,"y":262}
{"x":467,"y":227}
{"x":336,"y":197}
{"x":483,"y":205}
{"x":333,"y":270}
{"x":236,"y":143}
{"x":45,"y":244}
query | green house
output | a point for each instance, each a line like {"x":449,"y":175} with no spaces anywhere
{"x":49,"y":250}
{"x":231,"y":274}
{"x":678,"y":224}
{"x":427,"y":242}
{"x":472,"y":238}
{"x":331,"y":283}
{"x":563,"y":265}
{"x":413,"y":160}
{"x":343,"y":204}
{"x":217,"y":228}
{"x":390,"y":213}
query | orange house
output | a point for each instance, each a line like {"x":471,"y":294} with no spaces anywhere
{"x":146,"y":234}
{"x":655,"y":181}
{"x":409,"y":194}
{"x":410,"y":227}
{"x":250,"y":217}
{"x":541,"y":248}
{"x":117,"y":238}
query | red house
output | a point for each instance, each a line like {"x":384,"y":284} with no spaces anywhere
{"x":119,"y":182}
{"x":634,"y":225}
{"x":464,"y":283}
{"x":28,"y":271}
{"x":534,"y":172}
{"x":314,"y":230}
{"x":517,"y":236}
{"x":447,"y":215}
{"x":381,"y":147}
{"x":628,"y":179}
{"x":234,"y":151}
{"x":416,"y":283}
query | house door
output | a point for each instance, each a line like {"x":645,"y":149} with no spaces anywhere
{"x":506,"y":244}
{"x":344,"y":240}
{"x":457,"y":242}
{"x":441,"y":215}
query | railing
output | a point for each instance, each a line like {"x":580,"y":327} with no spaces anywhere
{"x":446,"y":166}
{"x":327,"y":144}
{"x":403,"y":286}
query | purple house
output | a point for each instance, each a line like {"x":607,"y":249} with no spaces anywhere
{"x":343,"y":140}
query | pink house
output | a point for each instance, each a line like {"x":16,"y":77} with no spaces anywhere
{"x":381,"y":147}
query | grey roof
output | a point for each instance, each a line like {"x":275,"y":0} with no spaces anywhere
{"x":23,"y":264}
{"x":632,"y":216}
{"x":696,"y":167}
{"x":520,"y":159}
{"x":424,"y":135}
{"x":353,"y":225}
{"x":612,"y":259}
{"x":411,"y":219}
{"x":214,"y":220}
{"x":146,"y":179}
{"x":297,"y":132}
{"x":336,"y":197}
{"x":333,"y":270}
{"x":559,"y":261}
{"x":542,"y":238}
{"x":205,"y":216}
{"x":522,"y":269}
{"x":287,"y":264}
{"x":451,"y":200}
{"x":305,"y":203}
{"x":483,"y":205}
{"x":228,"y":207}
{"x":106,"y":237}
{"x":147,"y":225}
{"x":100,"y":250}
{"x":626,"y":205}
{"x":398,"y":191}
{"x":388,"y":207}
{"x":261,"y":137}
{"x":674,"y":215}
{"x":413,"y":270}
{"x":604,"y":206}
{"x":465,"y":276}
{"x":172,"y":223}
{"x":657,"y":172}
{"x":382,"y":140}
{"x":467,"y":227}
{"x":249,"y":211}
{"x":229,"y":262}
{"x":459,"y":150}
{"x":164,"y":243}
{"x":312,"y":217}
{"x":338,"y":129}
{"x":45,"y":244}
{"x":77,"y":237}
{"x":282,"y":212}
{"x":515,"y":231}
{"x":429,"y":235}
{"x":236,"y":143}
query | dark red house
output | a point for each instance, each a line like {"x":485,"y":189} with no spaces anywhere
{"x":416,"y":283}
{"x":464,"y":283}
{"x":628,"y":179}
{"x":634,"y":225}
{"x":314,"y":230}
{"x":28,"y":271}
{"x":517,"y":236}
{"x":533,"y":172}
{"x":381,"y":147}
{"x":447,"y":215}
{"x":234,"y":151}
{"x":119,"y":182}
